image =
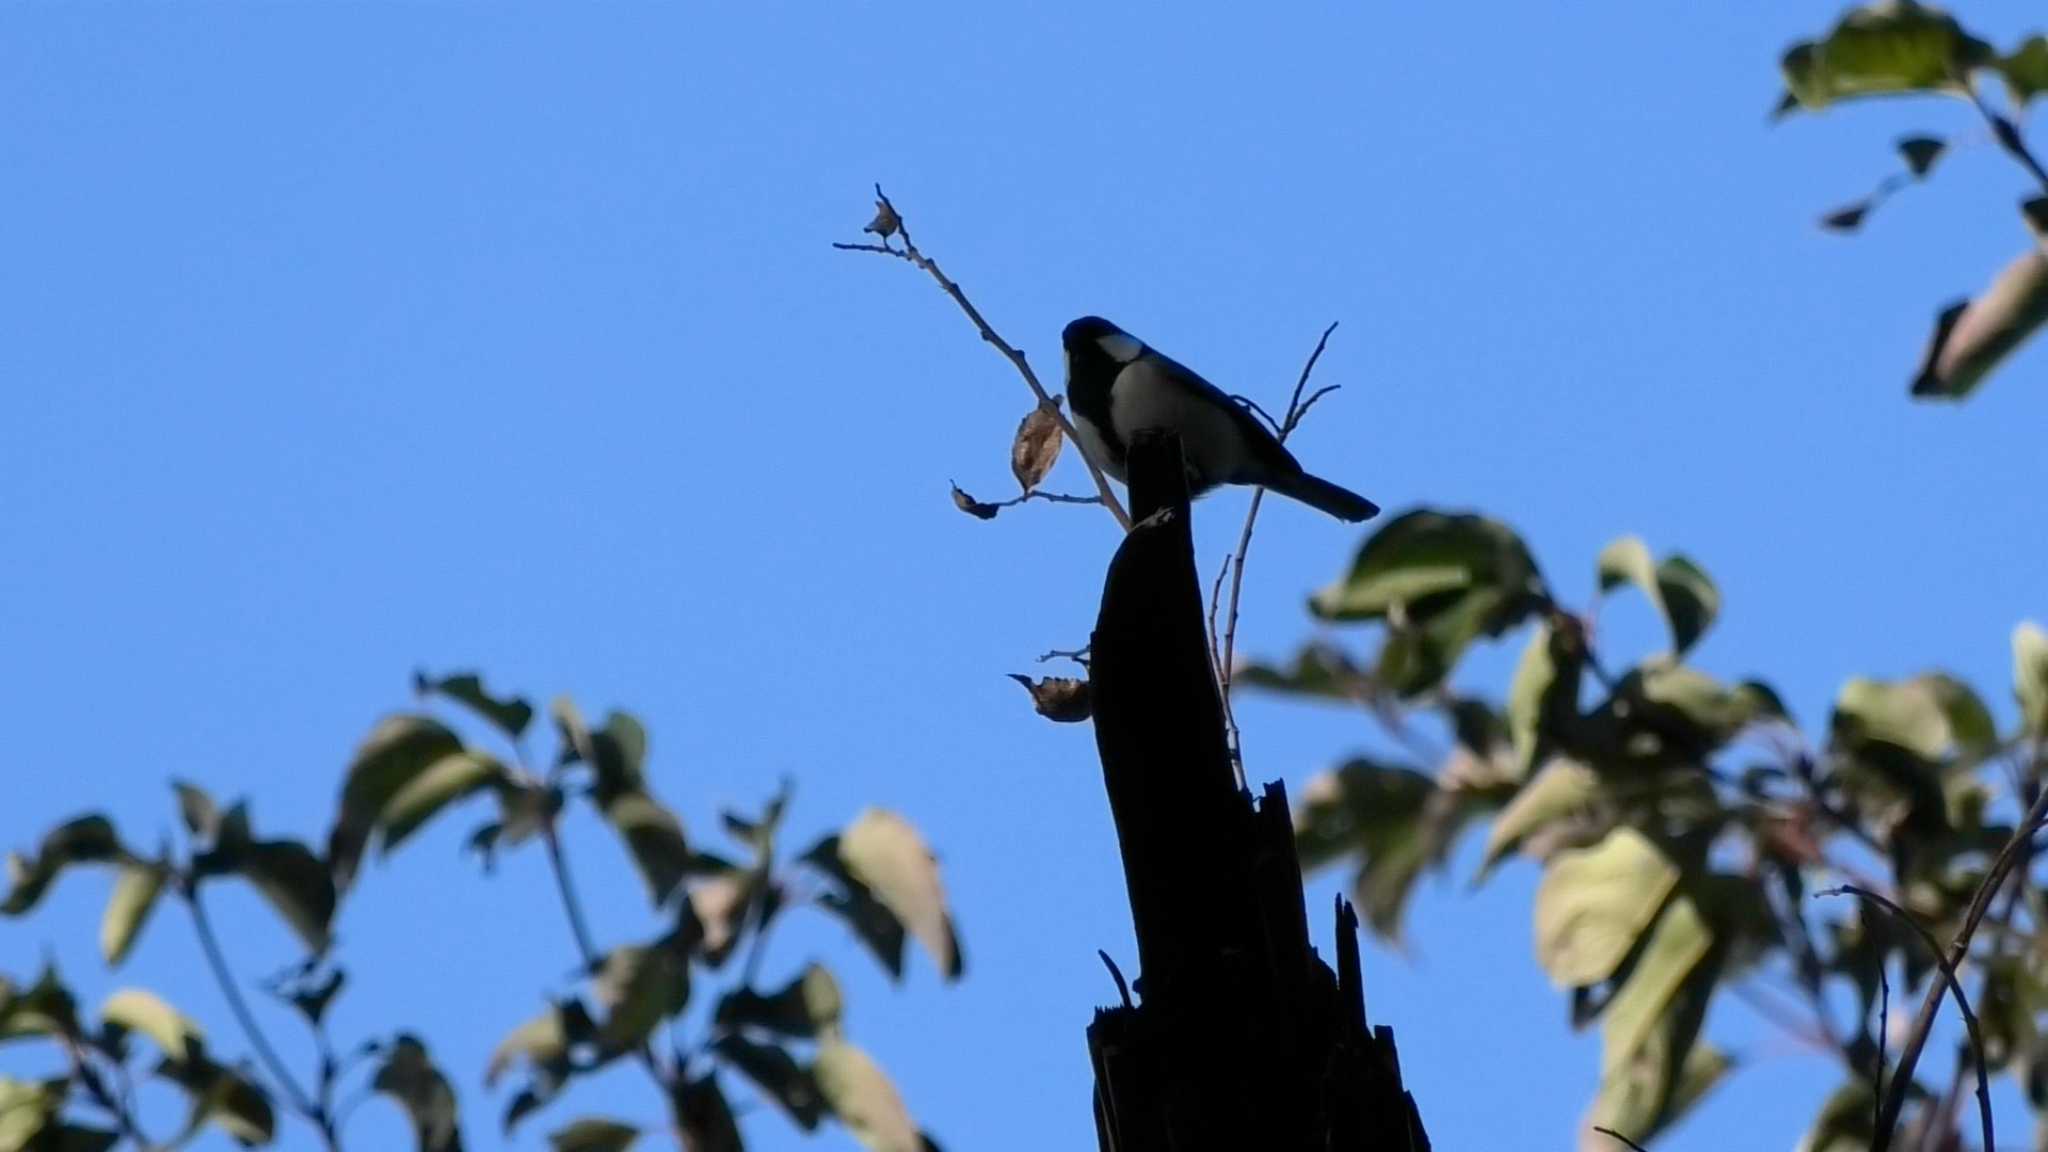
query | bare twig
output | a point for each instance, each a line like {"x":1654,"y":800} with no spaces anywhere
{"x":1902,"y":1079}
{"x":1884,"y":1024}
{"x":1618,"y":1136}
{"x":2008,"y":136}
{"x":216,"y":960}
{"x":2018,"y":848}
{"x":1296,"y":409}
{"x":1077,"y":655}
{"x":909,"y":253}
{"x":1048,"y":497}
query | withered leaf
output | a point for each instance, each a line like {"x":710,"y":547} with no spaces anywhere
{"x":973,"y":507}
{"x":886,"y":222}
{"x":1058,"y":698}
{"x":1036,"y":447}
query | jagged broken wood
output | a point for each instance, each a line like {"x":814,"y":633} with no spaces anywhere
{"x":1242,"y":1037}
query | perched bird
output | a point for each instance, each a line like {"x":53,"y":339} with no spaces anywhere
{"x":1117,"y":387}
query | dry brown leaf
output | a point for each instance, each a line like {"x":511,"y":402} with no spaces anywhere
{"x":1058,"y":698}
{"x":973,"y":507}
{"x":1036,"y":447}
{"x":886,"y":221}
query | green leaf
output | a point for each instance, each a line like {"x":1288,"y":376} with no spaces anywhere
{"x":775,"y":1072}
{"x":885,"y":853}
{"x":1320,"y":671}
{"x":1439,"y":581}
{"x":654,"y":837}
{"x":2026,"y":70}
{"x":1677,"y":944}
{"x":1562,"y":790}
{"x":1973,"y":337}
{"x":135,"y":891}
{"x":397,"y":751}
{"x":510,"y":714}
{"x":1847,"y":1122}
{"x":1624,"y":1102}
{"x":704,"y":1116}
{"x":445,"y":781}
{"x":1595,"y":903}
{"x":592,"y":1135}
{"x":1679,"y":589}
{"x":861,"y":1096}
{"x":46,"y":1008}
{"x":409,"y":1077}
{"x":201,"y":815}
{"x":1884,"y":49}
{"x":1920,"y":153}
{"x":222,"y":1097}
{"x":82,"y":840}
{"x":1930,"y":717}
{"x":639,"y":987}
{"x":1395,"y":820}
{"x":720,"y":904}
{"x":139,"y":1010}
{"x":297,"y":884}
{"x":26,"y":1106}
{"x":852,"y":902}
{"x":1420,"y":556}
{"x":544,"y":1041}
{"x":1543,"y":697}
{"x":804,"y":1007}
{"x":2030,"y":677}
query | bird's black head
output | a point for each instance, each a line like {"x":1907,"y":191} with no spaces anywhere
{"x":1093,"y":342}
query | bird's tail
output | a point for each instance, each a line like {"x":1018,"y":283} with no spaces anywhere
{"x":1319,"y":493}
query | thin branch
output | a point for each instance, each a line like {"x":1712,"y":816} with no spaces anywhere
{"x":891,"y":222}
{"x":1296,"y":409}
{"x":2017,"y":848}
{"x":1048,"y":497}
{"x":1077,"y":655}
{"x":216,"y":960}
{"x":1902,"y":1079}
{"x":2008,"y":136}
{"x":121,"y":1110}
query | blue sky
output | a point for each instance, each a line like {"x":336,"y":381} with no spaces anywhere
{"x":341,"y":340}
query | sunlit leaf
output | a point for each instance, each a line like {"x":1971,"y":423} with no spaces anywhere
{"x":509,"y":714}
{"x":1679,"y":589}
{"x":409,"y":1076}
{"x":1888,"y":48}
{"x":1973,"y":337}
{"x":135,"y":891}
{"x":396,"y":752}
{"x":852,"y":901}
{"x":1594,"y":904}
{"x":139,"y":1010}
{"x":617,"y":756}
{"x":1543,"y":697}
{"x":2030,"y":677}
{"x":1677,"y":943}
{"x":886,"y":853}
{"x":1561,"y":790}
{"x":544,"y":1041}
{"x":1420,"y":556}
{"x":639,"y":987}
{"x":804,"y":1007}
{"x":26,"y":1106}
{"x":862,"y":1097}
{"x":774,"y":1071}
{"x":447,"y":780}
{"x":197,"y":809}
{"x":45,"y":1008}
{"x":297,"y":884}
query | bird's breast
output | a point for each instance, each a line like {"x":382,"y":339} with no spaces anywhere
{"x":1214,"y":444}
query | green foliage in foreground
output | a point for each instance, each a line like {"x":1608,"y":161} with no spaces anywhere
{"x":1684,"y":824}
{"x":782,"y":1041}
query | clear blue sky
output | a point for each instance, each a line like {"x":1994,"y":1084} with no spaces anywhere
{"x":340,"y":340}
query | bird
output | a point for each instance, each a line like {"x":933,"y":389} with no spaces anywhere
{"x":1118,"y":386}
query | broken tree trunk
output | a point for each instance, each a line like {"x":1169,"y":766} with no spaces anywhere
{"x":1243,"y":1038}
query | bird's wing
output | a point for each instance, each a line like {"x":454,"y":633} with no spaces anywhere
{"x":1263,"y":450}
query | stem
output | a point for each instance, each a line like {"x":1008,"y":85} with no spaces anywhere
{"x":216,"y":960}
{"x":2008,"y":136}
{"x":2016,"y":849}
{"x":930,"y":267}
{"x":122,"y":1111}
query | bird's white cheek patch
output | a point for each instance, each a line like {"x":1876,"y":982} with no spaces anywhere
{"x":1121,"y":348}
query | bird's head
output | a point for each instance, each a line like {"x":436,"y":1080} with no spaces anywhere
{"x":1093,"y":340}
